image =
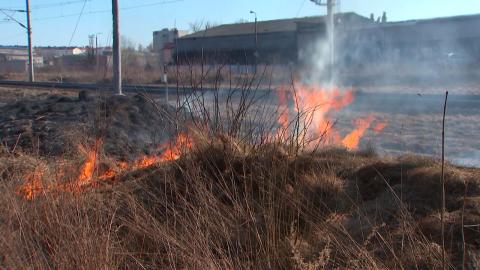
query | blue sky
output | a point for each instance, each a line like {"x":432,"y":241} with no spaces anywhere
{"x":54,"y":21}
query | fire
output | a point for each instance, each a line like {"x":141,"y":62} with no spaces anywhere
{"x":319,"y":102}
{"x":352,"y":140}
{"x":145,"y":162}
{"x":88,"y":170}
{"x":33,"y":185}
{"x":379,"y":127}
{"x":174,"y":151}
{"x":316,"y":105}
{"x":283,"y":118}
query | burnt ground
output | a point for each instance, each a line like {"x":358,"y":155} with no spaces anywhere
{"x":135,"y":126}
{"x":363,"y":195}
{"x":415,"y":124}
{"x":54,"y":123}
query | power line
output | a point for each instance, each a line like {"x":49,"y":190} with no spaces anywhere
{"x":107,"y":10}
{"x":51,"y":5}
{"x":14,"y":10}
{"x":66,"y":3}
{"x":78,"y":21}
{"x":300,"y":8}
{"x":152,"y":4}
{"x":13,"y":19}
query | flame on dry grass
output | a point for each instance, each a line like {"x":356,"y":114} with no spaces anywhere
{"x":379,"y":127}
{"x":352,"y":140}
{"x":317,"y":104}
{"x":33,"y":185}
{"x":88,"y":174}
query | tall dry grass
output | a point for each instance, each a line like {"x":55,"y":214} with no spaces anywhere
{"x":239,"y":199}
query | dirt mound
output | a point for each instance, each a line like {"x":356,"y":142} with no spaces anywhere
{"x":56,"y":124}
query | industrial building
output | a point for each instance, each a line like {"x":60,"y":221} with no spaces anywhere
{"x":449,"y":41}
{"x":164,"y":43}
{"x":360,"y":41}
{"x":14,"y":59}
{"x":50,"y":54}
{"x":276,"y":41}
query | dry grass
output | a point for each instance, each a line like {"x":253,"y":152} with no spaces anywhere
{"x":223,"y":206}
{"x":236,"y":201}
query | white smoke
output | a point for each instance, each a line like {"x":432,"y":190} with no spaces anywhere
{"x":315,"y":62}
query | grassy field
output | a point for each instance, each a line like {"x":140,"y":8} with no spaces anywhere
{"x":229,"y":192}
{"x":228,"y":205}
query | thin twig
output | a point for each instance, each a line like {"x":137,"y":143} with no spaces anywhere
{"x":443,"y":183}
{"x":464,"y":246}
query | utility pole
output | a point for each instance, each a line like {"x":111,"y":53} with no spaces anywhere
{"x":96,"y":53}
{"x":256,"y":40}
{"x":330,"y":33}
{"x":31,"y":75}
{"x":117,"y":54}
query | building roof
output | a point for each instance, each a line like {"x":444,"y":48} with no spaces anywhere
{"x":459,"y":18}
{"x":282,"y":25}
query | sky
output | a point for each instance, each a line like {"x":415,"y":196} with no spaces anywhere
{"x":70,"y":22}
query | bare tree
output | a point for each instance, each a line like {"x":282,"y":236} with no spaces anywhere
{"x":200,"y":25}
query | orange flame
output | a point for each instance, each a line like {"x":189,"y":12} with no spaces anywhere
{"x":173,"y":152}
{"x":33,"y":185}
{"x":379,"y":127}
{"x":352,"y":140}
{"x":283,"y":117}
{"x":88,"y":168}
{"x":86,"y":176}
{"x":318,"y":103}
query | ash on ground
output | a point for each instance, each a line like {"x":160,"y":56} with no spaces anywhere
{"x":56,"y":124}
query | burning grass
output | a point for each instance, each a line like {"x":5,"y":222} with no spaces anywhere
{"x":226,"y":204}
{"x":229,"y":193}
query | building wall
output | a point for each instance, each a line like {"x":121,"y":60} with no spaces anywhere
{"x":165,"y":36}
{"x":50,"y":53}
{"x":431,"y":43}
{"x":14,"y":66}
{"x":279,"y":47}
{"x":164,"y":43}
{"x":438,"y":44}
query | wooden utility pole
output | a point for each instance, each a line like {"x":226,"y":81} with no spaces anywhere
{"x":31,"y":75}
{"x":117,"y":54}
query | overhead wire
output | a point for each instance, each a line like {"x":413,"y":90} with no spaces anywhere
{"x":78,"y":21}
{"x":300,"y":8}
{"x":107,"y":10}
{"x":43,"y":6}
{"x":11,"y":18}
{"x":14,"y":10}
{"x":66,"y":3}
